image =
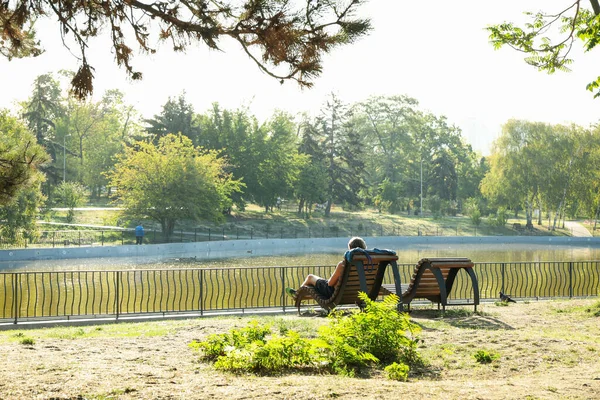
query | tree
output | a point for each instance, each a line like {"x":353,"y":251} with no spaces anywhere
{"x":173,"y":181}
{"x":21,"y":158}
{"x":339,"y":144}
{"x":284,"y":39}
{"x":176,"y":117}
{"x":20,"y":179}
{"x":536,"y":38}
{"x":71,"y":195}
{"x":41,"y":112}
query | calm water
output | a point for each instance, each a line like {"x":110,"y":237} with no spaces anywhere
{"x":477,"y":253}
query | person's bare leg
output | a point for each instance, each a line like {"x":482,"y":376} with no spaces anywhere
{"x":310,"y":280}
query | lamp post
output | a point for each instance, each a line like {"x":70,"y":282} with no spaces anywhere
{"x":65,"y":157}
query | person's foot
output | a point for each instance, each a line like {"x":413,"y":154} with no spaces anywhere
{"x":291,"y":292}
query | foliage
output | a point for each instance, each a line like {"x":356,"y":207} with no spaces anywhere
{"x":19,"y":217}
{"x":549,"y":37}
{"x":500,"y":218}
{"x":27,"y":341}
{"x":472,"y":210}
{"x":594,"y":309}
{"x":171,"y":181}
{"x":21,"y":158}
{"x":379,"y":334}
{"x":485,"y":357}
{"x":397,"y":372}
{"x":71,"y":195}
{"x":275,"y":35}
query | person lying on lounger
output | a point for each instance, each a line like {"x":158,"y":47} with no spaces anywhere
{"x":326,"y":287}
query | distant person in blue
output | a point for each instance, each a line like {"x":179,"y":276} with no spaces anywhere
{"x":326,"y":287}
{"x":139,"y":234}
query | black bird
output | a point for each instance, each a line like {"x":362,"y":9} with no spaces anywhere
{"x":506,"y":298}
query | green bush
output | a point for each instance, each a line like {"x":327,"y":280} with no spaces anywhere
{"x":485,"y":357}
{"x":397,"y":372}
{"x":350,"y":343}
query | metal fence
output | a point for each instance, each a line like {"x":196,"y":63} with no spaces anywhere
{"x":30,"y":296}
{"x":112,"y":237}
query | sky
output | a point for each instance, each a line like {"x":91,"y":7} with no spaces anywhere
{"x":437,"y":52}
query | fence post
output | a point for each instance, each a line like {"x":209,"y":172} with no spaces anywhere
{"x":195,"y":229}
{"x":201,"y":292}
{"x":223,"y":232}
{"x":502,"y":270}
{"x":102,"y":240}
{"x":122,"y":237}
{"x":283,"y":288}
{"x":16,"y":297}
{"x":117,"y":294}
{"x":571,"y":279}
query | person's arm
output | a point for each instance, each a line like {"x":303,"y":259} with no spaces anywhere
{"x":336,"y":274}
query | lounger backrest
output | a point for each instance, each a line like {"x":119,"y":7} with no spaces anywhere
{"x":428,"y":285}
{"x":351,"y":281}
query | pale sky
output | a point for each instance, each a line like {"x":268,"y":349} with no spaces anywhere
{"x":435,"y":51}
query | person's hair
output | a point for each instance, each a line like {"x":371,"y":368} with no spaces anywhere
{"x":356,"y":242}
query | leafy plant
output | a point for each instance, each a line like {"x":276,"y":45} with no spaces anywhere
{"x":485,"y":357}
{"x":350,"y":343}
{"x":27,"y":341}
{"x":397,"y":372}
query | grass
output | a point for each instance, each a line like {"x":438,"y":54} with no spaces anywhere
{"x":253,"y":221}
{"x":525,"y":350}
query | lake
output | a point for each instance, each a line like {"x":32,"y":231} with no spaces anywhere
{"x":476,"y":252}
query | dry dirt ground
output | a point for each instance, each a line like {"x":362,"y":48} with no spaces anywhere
{"x":548,"y":350}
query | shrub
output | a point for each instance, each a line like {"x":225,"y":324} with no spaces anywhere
{"x":397,"y":372}
{"x":351,"y":342}
{"x":485,"y":357}
{"x":27,"y":341}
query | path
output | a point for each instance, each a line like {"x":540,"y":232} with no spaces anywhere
{"x":577,"y":229}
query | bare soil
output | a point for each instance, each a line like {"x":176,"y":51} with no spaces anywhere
{"x":548,"y":350}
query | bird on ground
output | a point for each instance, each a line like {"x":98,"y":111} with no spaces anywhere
{"x":506,"y":298}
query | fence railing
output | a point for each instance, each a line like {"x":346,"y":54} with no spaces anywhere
{"x":101,"y":237}
{"x":27,"y":296}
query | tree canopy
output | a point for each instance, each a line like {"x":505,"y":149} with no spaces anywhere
{"x":20,"y":158}
{"x":549,"y":37}
{"x":172,"y":181}
{"x":286,"y":39}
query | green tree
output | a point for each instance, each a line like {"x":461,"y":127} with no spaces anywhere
{"x":20,"y":179}
{"x":177,"y":116}
{"x":41,"y":111}
{"x":71,"y":195}
{"x":21,"y":158}
{"x":173,"y":181}
{"x":549,"y":37}
{"x":339,"y":142}
{"x":285,"y":39}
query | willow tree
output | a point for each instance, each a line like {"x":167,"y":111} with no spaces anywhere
{"x":172,"y":181}
{"x":285,"y":38}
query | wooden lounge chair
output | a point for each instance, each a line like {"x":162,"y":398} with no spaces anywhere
{"x":433,"y":278}
{"x":363,"y":272}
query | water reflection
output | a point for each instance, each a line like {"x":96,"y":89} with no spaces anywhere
{"x":477,"y":253}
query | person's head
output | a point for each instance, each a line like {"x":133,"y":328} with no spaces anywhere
{"x":357,"y":242}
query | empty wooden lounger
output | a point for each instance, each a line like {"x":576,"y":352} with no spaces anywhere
{"x":363,"y":272}
{"x":433,"y":278}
